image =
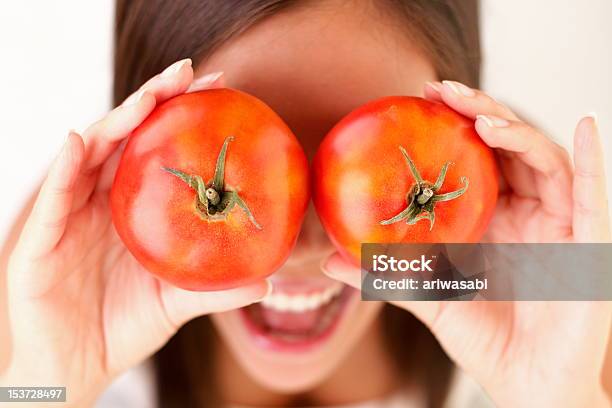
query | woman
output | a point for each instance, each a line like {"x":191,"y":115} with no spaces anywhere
{"x":82,"y":310}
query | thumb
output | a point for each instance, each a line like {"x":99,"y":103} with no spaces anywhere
{"x":591,"y":221}
{"x":337,"y":268}
{"x":143,"y":313}
{"x":452,"y":323}
{"x":183,"y":305}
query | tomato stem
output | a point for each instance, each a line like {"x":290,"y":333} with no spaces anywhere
{"x":219,"y":176}
{"x":212,"y":196}
{"x":422,"y":197}
{"x":213,"y":200}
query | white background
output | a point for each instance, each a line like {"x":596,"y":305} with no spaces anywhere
{"x":551,"y":60}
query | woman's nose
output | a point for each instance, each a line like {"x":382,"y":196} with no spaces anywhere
{"x":312,"y":241}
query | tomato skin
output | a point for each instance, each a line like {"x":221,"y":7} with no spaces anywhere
{"x":361,"y":178}
{"x":154,"y":212}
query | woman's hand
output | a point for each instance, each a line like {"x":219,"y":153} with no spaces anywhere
{"x":542,"y":198}
{"x":81,"y":308}
{"x":527,"y":353}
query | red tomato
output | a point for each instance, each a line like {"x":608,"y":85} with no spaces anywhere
{"x":211,"y":191}
{"x":365,"y":191}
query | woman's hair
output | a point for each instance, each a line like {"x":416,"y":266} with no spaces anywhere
{"x":152,"y":34}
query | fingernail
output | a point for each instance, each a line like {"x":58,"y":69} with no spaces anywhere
{"x":493,"y":121}
{"x":71,"y":133}
{"x":323,"y":265}
{"x":586,"y":139}
{"x":67,"y":149}
{"x":134,"y":98}
{"x":268,"y":292}
{"x":436,"y":86}
{"x":593,"y":115}
{"x":66,"y":142}
{"x":174,"y":68}
{"x":459,"y":88}
{"x":204,"y":81}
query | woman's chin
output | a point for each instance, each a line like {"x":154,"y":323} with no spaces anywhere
{"x":295,"y":338}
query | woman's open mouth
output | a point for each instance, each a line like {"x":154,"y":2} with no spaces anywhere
{"x":292,"y":320}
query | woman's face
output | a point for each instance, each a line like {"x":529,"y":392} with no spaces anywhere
{"x":312,"y":64}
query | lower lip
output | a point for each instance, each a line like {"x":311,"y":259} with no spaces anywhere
{"x":267,"y":340}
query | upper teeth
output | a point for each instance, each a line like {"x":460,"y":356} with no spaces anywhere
{"x":300,"y":303}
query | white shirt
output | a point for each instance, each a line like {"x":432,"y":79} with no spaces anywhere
{"x":137,"y":388}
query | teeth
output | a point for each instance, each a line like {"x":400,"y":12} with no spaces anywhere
{"x":301,"y":303}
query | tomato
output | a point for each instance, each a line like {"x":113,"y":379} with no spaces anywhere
{"x":365,"y":175}
{"x":211,"y":191}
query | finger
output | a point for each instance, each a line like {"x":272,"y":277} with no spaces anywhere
{"x":212,"y":80}
{"x":144,"y":312}
{"x":172,"y":81}
{"x":432,"y":91}
{"x":109,"y":168}
{"x":183,"y":305}
{"x":337,"y":268}
{"x":591,"y":221}
{"x":471,"y":102}
{"x":553,"y":178}
{"x":517,"y":175}
{"x":47,"y":222}
{"x":102,"y":137}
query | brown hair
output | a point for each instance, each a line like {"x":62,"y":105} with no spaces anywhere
{"x":152,"y":34}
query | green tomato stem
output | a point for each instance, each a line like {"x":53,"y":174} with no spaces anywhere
{"x":422,"y":198}
{"x":213,"y":200}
